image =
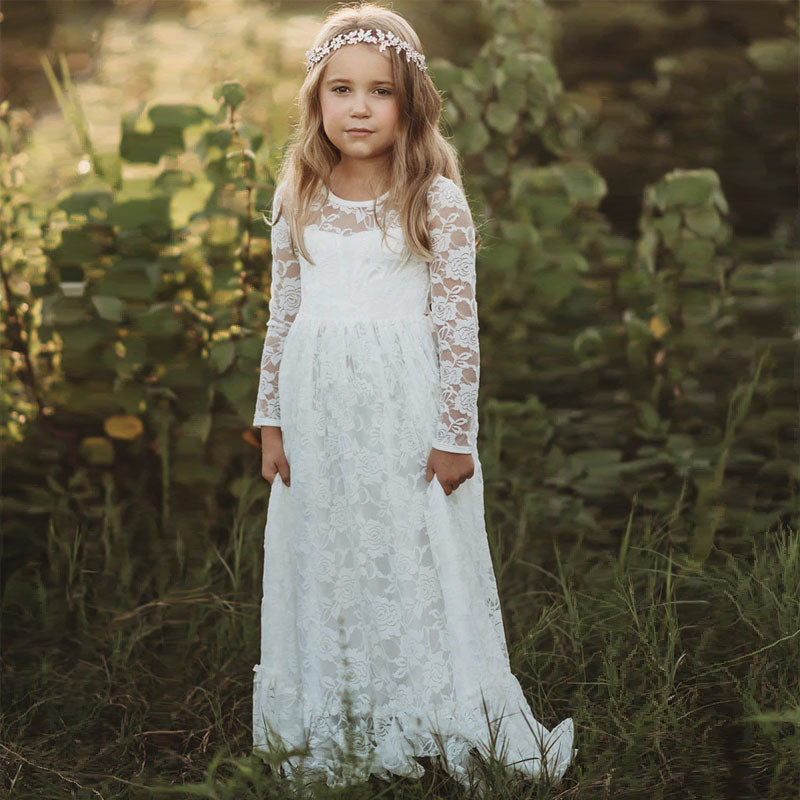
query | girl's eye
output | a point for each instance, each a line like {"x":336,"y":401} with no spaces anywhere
{"x":380,"y":89}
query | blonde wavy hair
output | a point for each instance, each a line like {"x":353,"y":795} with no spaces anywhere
{"x":310,"y":156}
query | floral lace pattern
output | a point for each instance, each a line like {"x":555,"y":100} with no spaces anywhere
{"x":455,"y":312}
{"x":405,"y":627}
{"x":451,"y":300}
{"x":284,"y":303}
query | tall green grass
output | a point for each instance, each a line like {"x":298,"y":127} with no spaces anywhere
{"x":127,"y":664}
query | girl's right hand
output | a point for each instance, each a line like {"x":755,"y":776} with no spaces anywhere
{"x":273,"y":458}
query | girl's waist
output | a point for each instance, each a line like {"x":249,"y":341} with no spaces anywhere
{"x":362,"y":316}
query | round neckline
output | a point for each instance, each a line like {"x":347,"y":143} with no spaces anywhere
{"x":358,"y":202}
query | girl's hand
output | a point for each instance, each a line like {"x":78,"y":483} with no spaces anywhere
{"x":451,"y":469}
{"x":273,"y":459}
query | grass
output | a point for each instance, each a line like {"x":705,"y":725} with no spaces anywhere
{"x":127,"y":665}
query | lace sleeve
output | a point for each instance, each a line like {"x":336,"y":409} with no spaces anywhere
{"x":284,"y":304}
{"x":455,"y":314}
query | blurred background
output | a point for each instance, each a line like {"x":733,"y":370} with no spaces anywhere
{"x":632,"y":170}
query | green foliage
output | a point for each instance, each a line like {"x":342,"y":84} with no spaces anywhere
{"x":152,"y":286}
{"x":633,"y":347}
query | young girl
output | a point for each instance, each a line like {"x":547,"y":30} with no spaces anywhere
{"x":380,"y":610}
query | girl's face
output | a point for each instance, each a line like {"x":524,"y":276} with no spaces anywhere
{"x":357,"y":91}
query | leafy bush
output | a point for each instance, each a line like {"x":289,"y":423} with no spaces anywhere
{"x":623,"y":362}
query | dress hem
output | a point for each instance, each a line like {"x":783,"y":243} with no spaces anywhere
{"x":318,"y":752}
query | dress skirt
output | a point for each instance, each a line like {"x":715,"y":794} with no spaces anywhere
{"x":381,"y":632}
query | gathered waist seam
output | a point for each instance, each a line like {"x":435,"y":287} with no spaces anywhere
{"x":301,"y":315}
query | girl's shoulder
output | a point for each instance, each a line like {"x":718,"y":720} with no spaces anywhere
{"x":280,"y":189}
{"x":441,"y":185}
{"x":277,"y":196}
{"x":445,"y":194}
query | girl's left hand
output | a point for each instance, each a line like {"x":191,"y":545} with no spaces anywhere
{"x":451,"y":469}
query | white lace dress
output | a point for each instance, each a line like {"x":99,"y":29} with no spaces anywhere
{"x":380,"y":604}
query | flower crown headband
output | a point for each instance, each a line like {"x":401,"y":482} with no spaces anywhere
{"x":372,"y":36}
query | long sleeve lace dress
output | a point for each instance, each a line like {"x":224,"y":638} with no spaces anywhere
{"x":380,"y":609}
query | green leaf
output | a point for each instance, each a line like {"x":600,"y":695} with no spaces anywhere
{"x":147,"y":148}
{"x":553,"y":285}
{"x":249,"y":348}
{"x":704,"y":221}
{"x":110,"y":308}
{"x":178,"y":115}
{"x":667,"y":225}
{"x":78,"y":245}
{"x":472,"y":137}
{"x":186,"y":372}
{"x":80,"y":340}
{"x":465,"y":99}
{"x":502,"y":119}
{"x":694,"y":252}
{"x":139,"y":212}
{"x":516,"y":66}
{"x":572,"y":261}
{"x":236,"y":387}
{"x":583,"y":183}
{"x":646,"y":248}
{"x":544,"y":75}
{"x":130,"y":279}
{"x":85,"y":202}
{"x":650,"y":420}
{"x":512,"y":94}
{"x":158,"y":323}
{"x":222,"y":355}
{"x":588,"y":343}
{"x":689,"y":189}
{"x":231,"y":93}
{"x":214,"y":142}
{"x":130,"y":285}
{"x":481,"y":75}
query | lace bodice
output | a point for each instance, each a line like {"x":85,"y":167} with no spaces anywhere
{"x":360,"y":275}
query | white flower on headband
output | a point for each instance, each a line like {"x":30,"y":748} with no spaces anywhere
{"x":376,"y":36}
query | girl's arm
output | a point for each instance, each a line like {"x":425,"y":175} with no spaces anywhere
{"x":455,"y":315}
{"x":284,"y":304}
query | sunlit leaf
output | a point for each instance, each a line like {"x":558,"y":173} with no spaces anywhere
{"x":123,"y":426}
